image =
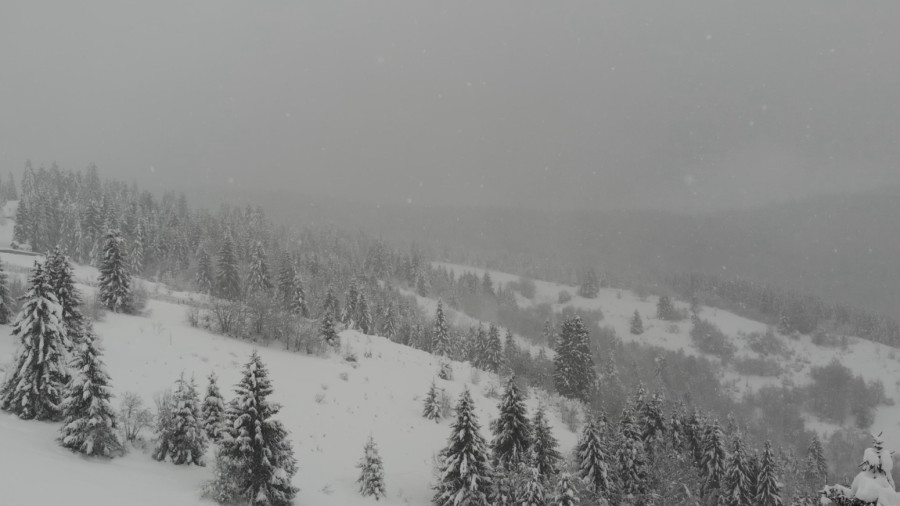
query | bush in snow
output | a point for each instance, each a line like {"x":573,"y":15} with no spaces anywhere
{"x":133,"y":416}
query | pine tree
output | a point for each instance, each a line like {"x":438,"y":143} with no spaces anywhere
{"x":432,"y":410}
{"x":371,"y":475}
{"x":255,"y":462}
{"x":35,"y":388}
{"x":574,"y":373}
{"x":548,"y":333}
{"x":487,"y":284}
{"x":768,"y":490}
{"x":664,"y":308}
{"x":491,"y":356}
{"x":137,"y":251}
{"x":115,"y":280}
{"x":631,"y":458}
{"x":713,"y":461}
{"x":512,"y":429}
{"x":89,"y":420}
{"x":213,"y":410}
{"x":637,"y":326}
{"x":465,"y":473}
{"x":331,"y":304}
{"x":286,"y":276}
{"x":388,"y":323}
{"x":819,"y":468}
{"x":440,"y":344}
{"x":545,"y":455}
{"x":737,"y":490}
{"x":565,"y":492}
{"x":181,"y":435}
{"x":59,"y":274}
{"x":258,"y":280}
{"x":327,"y":332}
{"x":298,"y":298}
{"x":590,"y":285}
{"x":364,"y":322}
{"x":228,"y":281}
{"x":591,"y":457}
{"x":651,"y":419}
{"x":532,"y":492}
{"x":204,"y":272}
{"x":350,"y":316}
{"x":6,"y":302}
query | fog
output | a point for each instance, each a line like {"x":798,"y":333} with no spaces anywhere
{"x":692,"y":105}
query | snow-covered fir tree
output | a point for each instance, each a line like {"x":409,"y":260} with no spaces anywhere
{"x":331,"y":305}
{"x":491,"y":354}
{"x":36,"y":386}
{"x":549,"y":334}
{"x":737,"y":489}
{"x":204,"y":272}
{"x":327,"y":332}
{"x":255,"y":462}
{"x":371,"y":472}
{"x":512,"y":429}
{"x":389,"y":322}
{"x":286,"y":276}
{"x":591,"y":457}
{"x":565,"y":494}
{"x":440,"y":344}
{"x":664,"y":308}
{"x":89,"y":420}
{"x":713,"y":461}
{"x":545,"y":456}
{"x":6,"y":302}
{"x":432,"y":409}
{"x":350,"y":315}
{"x":590,"y":284}
{"x":631,"y":459}
{"x":115,"y":279}
{"x":465,"y":472}
{"x":136,"y":255}
{"x":364,"y":322}
{"x":768,"y":489}
{"x":817,"y":464}
{"x":637,"y":325}
{"x":182,"y":436}
{"x":298,"y":304}
{"x":259,"y":281}
{"x":574,"y":374}
{"x":531,"y":489}
{"x":59,"y":274}
{"x":213,"y":410}
{"x":228,"y":280}
{"x":651,"y":420}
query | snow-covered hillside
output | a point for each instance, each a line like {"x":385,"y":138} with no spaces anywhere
{"x":870,"y":360}
{"x":330,"y":406}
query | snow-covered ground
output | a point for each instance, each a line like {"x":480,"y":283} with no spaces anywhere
{"x":870,"y":360}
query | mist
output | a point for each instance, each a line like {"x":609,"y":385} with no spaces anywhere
{"x":687,"y":106}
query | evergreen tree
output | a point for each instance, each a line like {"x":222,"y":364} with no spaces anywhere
{"x":768,"y":490}
{"x":713,"y":462}
{"x":651,"y":422}
{"x":590,"y":284}
{"x":35,"y":388}
{"x":228,"y":280}
{"x":258,"y":280}
{"x":213,"y":410}
{"x":204,"y":272}
{"x":512,"y":429}
{"x":350,"y":316}
{"x":637,"y":326}
{"x":565,"y":492}
{"x":137,"y":251}
{"x":440,"y":344}
{"x":491,"y":356}
{"x":89,"y":420}
{"x":548,"y":333}
{"x":591,"y":457}
{"x":737,"y":490}
{"x":631,"y":458}
{"x":532,"y":492}
{"x":298,"y":298}
{"x":465,"y":473}
{"x":545,"y":455}
{"x":664,"y":308}
{"x":574,"y":374}
{"x":819,"y":467}
{"x":327,"y":331}
{"x":59,"y":274}
{"x":181,"y":435}
{"x":286,"y":289}
{"x":371,"y":475}
{"x":432,"y":409}
{"x":115,"y":280}
{"x":487,"y":285}
{"x":388,"y":323}
{"x":331,"y":304}
{"x":364,"y":323}
{"x":255,"y":462}
{"x":6,"y":301}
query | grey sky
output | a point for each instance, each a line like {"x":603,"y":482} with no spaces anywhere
{"x":687,"y":105}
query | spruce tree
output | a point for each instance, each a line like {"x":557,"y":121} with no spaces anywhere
{"x":545,"y":454}
{"x":664,"y":308}
{"x":255,"y":462}
{"x":631,"y":458}
{"x":36,"y":386}
{"x":512,"y":429}
{"x":591,"y":457}
{"x":819,"y":467}
{"x":574,"y":374}
{"x":228,"y":280}
{"x":465,"y":473}
{"x":181,"y":437}
{"x":258,"y":280}
{"x":59,"y":274}
{"x":737,"y":489}
{"x":768,"y":490}
{"x":6,"y":301}
{"x":136,"y":255}
{"x":327,"y":332}
{"x":492,"y":353}
{"x":89,"y":420}
{"x":389,"y":323}
{"x":531,"y":489}
{"x":371,"y":472}
{"x":298,"y":304}
{"x":213,"y":410}
{"x":115,"y":280}
{"x":549,"y":334}
{"x":440,"y":344}
{"x":331,"y":305}
{"x":204,"y":272}
{"x":432,"y":409}
{"x":286,"y":276}
{"x":364,"y":322}
{"x":350,"y":315}
{"x":713,"y":461}
{"x":590,"y":285}
{"x":637,"y":325}
{"x":565,"y":495}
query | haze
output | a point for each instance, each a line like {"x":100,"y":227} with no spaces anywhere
{"x":685,"y":105}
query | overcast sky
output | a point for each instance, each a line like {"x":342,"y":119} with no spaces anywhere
{"x":685,"y":104}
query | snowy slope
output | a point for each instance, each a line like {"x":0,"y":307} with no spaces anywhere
{"x":329,"y":416}
{"x":870,"y":360}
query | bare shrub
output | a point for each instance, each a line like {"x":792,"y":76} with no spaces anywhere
{"x":133,"y":416}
